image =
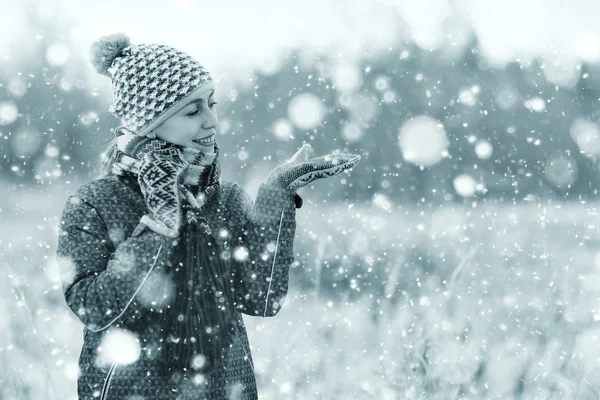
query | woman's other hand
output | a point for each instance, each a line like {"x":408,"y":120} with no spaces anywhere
{"x":161,"y":173}
{"x":299,"y":170}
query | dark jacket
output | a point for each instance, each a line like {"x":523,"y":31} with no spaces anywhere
{"x":110,"y":265}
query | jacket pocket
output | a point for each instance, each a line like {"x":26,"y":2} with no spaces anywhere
{"x":107,"y":381}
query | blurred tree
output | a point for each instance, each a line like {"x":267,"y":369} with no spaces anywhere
{"x":507,"y":128}
{"x":510,"y":129}
{"x":49,"y":116}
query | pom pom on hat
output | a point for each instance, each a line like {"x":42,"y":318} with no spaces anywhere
{"x":106,"y":49}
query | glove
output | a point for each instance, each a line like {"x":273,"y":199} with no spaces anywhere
{"x":299,"y":171}
{"x":161,"y":175}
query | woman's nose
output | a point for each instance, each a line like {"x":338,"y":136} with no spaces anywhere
{"x":210,"y":120}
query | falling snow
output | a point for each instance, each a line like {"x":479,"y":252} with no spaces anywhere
{"x":459,"y":260}
{"x":423,"y":141}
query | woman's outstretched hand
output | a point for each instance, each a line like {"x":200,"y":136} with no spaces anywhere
{"x":299,"y":170}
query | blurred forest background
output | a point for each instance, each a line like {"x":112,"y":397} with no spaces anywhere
{"x":432,"y":127}
{"x":458,"y":259}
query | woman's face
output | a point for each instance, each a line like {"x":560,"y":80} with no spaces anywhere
{"x":195,"y":121}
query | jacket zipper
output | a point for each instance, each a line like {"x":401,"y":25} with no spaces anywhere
{"x":107,"y":381}
{"x":269,"y":287}
{"x":273,"y":265}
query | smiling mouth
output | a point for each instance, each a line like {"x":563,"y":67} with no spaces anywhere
{"x":206,"y":141}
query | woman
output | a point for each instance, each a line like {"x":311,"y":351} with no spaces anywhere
{"x":160,"y":257}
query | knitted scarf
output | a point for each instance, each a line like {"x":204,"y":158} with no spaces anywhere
{"x":200,"y":322}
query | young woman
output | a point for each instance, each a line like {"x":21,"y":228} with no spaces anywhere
{"x":159,"y":256}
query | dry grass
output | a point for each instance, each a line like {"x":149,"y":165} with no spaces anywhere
{"x":497,"y":302}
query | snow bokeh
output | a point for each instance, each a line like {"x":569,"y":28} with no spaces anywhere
{"x":57,"y":54}
{"x":240,"y":253}
{"x":465,"y":185}
{"x":468,"y":96}
{"x":26,"y":142}
{"x":306,"y":111}
{"x":587,"y":136}
{"x":282,"y":129}
{"x":457,"y":260}
{"x":346,"y":77}
{"x":536,"y":104}
{"x":352,"y":132}
{"x":483,"y":149}
{"x":360,"y":107}
{"x":561,"y":170}
{"x":119,"y":346}
{"x":17,"y":86}
{"x":8,"y":112}
{"x":423,"y":141}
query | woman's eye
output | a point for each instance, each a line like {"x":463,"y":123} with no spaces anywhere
{"x":195,"y":112}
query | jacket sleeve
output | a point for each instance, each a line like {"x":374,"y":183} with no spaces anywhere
{"x":103,"y":285}
{"x":263,"y":253}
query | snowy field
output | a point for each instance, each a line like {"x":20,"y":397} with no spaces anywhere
{"x":488,"y":301}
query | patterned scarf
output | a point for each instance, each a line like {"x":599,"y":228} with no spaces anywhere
{"x":200,"y":322}
{"x":203,"y":176}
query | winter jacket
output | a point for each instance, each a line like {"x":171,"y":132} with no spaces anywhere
{"x":106,"y":257}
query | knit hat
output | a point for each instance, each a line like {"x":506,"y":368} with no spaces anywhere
{"x":151,"y":82}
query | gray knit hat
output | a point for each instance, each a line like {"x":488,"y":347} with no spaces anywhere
{"x":151,"y":82}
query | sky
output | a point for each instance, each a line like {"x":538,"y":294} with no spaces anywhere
{"x":224,"y":34}
{"x":236,"y":35}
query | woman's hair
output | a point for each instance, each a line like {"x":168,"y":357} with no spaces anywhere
{"x":105,"y":162}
